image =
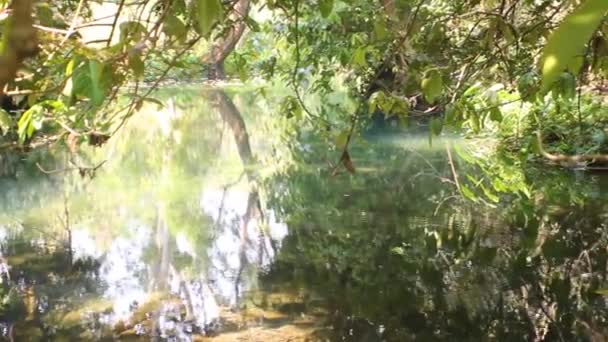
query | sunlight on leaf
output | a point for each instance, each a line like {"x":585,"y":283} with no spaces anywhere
{"x":603,"y":292}
{"x":569,"y":40}
{"x":468,"y":193}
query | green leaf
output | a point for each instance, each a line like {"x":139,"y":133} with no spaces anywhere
{"x":603,"y":292}
{"x":30,"y":120}
{"x":380,"y":29}
{"x":325,"y":7}
{"x":342,"y":139}
{"x":359,"y":57}
{"x":432,"y":85}
{"x":569,"y":40}
{"x":468,"y":193}
{"x":436,"y":126}
{"x":174,"y":27}
{"x":495,"y":114}
{"x":95,"y":71}
{"x":209,"y":12}
{"x":489,"y":194}
{"x":131,"y":31}
{"x":472,"y":90}
{"x":69,"y":71}
{"x":5,"y":121}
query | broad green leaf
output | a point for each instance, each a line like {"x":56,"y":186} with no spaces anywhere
{"x":342,"y":139}
{"x":174,"y":27}
{"x":374,"y":100}
{"x":325,"y":7}
{"x":95,"y":70}
{"x":495,"y":114}
{"x":380,"y":29}
{"x":359,"y":57}
{"x":436,"y":126}
{"x":209,"y":13}
{"x":432,"y":85}
{"x":131,"y":31}
{"x":569,"y":40}
{"x":30,"y":120}
{"x":5,"y":121}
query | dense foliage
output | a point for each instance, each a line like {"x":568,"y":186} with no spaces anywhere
{"x":481,"y":66}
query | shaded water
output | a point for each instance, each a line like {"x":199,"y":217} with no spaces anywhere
{"x":205,"y":224}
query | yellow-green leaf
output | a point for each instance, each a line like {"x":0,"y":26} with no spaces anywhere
{"x":69,"y":70}
{"x":569,"y":40}
{"x":432,"y":85}
{"x":380,"y":29}
{"x":95,"y":70}
{"x":359,"y":57}
{"x":342,"y":139}
{"x":468,"y":193}
{"x":603,"y":292}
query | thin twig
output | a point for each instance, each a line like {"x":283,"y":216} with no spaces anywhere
{"x":118,"y":12}
{"x":452,"y":167}
{"x":67,"y":169}
{"x":294,"y":76}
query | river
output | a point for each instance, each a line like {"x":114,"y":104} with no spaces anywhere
{"x":215,"y":218}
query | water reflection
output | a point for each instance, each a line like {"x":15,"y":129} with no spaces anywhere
{"x":203,"y":223}
{"x":171,"y":243}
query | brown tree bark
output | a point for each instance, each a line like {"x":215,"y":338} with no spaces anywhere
{"x":20,"y":41}
{"x":222,"y":48}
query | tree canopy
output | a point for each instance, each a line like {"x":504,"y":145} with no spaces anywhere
{"x":75,"y":71}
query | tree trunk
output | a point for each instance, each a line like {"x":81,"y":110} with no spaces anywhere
{"x":224,"y":46}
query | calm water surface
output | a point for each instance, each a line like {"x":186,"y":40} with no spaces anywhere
{"x":204,"y":224}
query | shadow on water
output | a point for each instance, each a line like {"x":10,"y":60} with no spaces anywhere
{"x":204,"y":224}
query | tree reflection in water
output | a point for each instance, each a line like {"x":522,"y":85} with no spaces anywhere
{"x":195,"y":227}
